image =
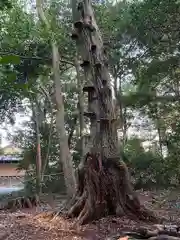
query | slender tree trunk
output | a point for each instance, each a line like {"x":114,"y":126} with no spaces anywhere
{"x":73,"y":127}
{"x":65,"y":155}
{"x":125,"y":127}
{"x":158,"y":125}
{"x":158,"y":122}
{"x":160,"y":137}
{"x":123,"y":114}
{"x":103,"y":181}
{"x":48,"y":152}
{"x":38,"y":147}
{"x":121,"y":110}
{"x":46,"y":159}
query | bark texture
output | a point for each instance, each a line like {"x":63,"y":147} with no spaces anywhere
{"x":65,"y":155}
{"x":20,"y":202}
{"x":103,"y":181}
{"x":80,"y":107}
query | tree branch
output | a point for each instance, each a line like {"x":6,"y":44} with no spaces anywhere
{"x":149,"y":97}
{"x":62,"y":60}
{"x":72,"y":131}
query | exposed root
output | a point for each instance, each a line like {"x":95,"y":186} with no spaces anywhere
{"x":21,"y":202}
{"x":55,"y":215}
{"x":106,"y":190}
{"x":150,"y":234}
{"x":45,"y":215}
{"x":49,"y":215}
{"x":159,"y":230}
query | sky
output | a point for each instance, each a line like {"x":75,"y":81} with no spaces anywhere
{"x":6,"y":129}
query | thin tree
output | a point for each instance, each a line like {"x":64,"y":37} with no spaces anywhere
{"x":38,"y":147}
{"x":65,"y":155}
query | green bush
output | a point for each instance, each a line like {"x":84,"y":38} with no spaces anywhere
{"x":148,"y":169}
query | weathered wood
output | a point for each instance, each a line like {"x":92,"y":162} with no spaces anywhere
{"x":96,"y":72}
{"x":103,"y":182}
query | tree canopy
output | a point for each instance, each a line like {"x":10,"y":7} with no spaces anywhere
{"x":141,"y":39}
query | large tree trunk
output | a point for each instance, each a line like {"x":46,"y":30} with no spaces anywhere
{"x":81,"y":108}
{"x":65,"y":155}
{"x":103,"y":181}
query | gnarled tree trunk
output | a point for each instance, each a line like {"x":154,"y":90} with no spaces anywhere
{"x":103,"y":181}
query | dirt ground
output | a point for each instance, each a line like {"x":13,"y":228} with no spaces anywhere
{"x":25,"y":225}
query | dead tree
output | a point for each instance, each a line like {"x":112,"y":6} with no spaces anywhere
{"x":103,"y":180}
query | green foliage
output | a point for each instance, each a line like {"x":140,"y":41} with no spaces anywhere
{"x":156,"y":22}
{"x":53,"y":182}
{"x":10,"y":59}
{"x":142,"y":42}
{"x":53,"y":179}
{"x":5,"y":4}
{"x":149,"y":169}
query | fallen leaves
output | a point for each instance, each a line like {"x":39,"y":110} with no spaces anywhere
{"x":28,"y":225}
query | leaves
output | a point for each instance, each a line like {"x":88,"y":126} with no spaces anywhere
{"x":9,"y":59}
{"x":5,"y":4}
{"x":141,"y":39}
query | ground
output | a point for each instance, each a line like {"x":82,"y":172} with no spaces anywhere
{"x":26,"y":225}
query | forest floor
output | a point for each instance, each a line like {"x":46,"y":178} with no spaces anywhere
{"x":24,"y":225}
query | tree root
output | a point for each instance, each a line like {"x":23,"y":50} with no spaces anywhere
{"x":106,"y":190}
{"x":155,"y":233}
{"x":21,"y":202}
{"x":160,"y":230}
